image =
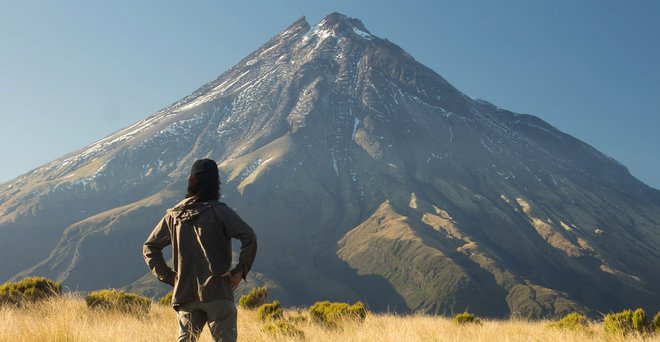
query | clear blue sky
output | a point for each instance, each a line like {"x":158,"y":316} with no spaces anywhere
{"x":72,"y":72}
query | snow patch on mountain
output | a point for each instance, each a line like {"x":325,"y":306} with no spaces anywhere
{"x":363,"y":34}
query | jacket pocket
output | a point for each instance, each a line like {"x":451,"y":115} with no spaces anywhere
{"x":216,"y":287}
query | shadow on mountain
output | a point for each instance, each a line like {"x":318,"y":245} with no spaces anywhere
{"x":374,"y":290}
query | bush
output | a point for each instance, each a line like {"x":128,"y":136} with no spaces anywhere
{"x":656,"y":322}
{"x":270,"y":311}
{"x":283,"y":329}
{"x":331,"y":313}
{"x":299,"y":317}
{"x":29,"y":289}
{"x":573,"y":320}
{"x":466,"y":318}
{"x":118,"y":301}
{"x":626,"y":322}
{"x":639,"y":321}
{"x":254,"y":299}
{"x":166,"y":299}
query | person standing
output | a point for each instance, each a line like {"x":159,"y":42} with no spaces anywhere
{"x":200,"y":229}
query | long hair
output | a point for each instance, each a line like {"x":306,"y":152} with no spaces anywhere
{"x":205,"y":185}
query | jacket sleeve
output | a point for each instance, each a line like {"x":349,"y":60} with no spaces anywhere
{"x":236,"y":228}
{"x":153,"y":255}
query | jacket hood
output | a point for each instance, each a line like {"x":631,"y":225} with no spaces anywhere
{"x":189,"y":208}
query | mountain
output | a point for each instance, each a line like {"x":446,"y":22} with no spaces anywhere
{"x":366,"y":175}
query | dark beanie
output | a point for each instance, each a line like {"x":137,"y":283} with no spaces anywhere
{"x":204,"y":166}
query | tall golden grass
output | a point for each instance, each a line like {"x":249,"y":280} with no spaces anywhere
{"x":67,"y":319}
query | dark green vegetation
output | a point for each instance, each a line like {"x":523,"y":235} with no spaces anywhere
{"x":367,"y":177}
{"x":272,"y":314}
{"x":255,"y":298}
{"x":284,"y":329}
{"x":629,"y":322}
{"x":271,"y":311}
{"x":327,"y":314}
{"x":166,"y":299}
{"x":466,"y":318}
{"x":331,"y":314}
{"x":30,"y":289}
{"x":573,"y":320}
{"x":116,"y":300}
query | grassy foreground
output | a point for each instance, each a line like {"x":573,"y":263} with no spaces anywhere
{"x":67,"y":319}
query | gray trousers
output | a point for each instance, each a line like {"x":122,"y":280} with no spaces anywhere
{"x":219,"y":314}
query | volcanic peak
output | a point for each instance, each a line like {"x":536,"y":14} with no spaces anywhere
{"x":337,"y":24}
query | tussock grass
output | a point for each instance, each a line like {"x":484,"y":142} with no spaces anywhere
{"x":67,"y":319}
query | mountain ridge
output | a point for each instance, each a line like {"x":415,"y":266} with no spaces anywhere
{"x":370,"y":176}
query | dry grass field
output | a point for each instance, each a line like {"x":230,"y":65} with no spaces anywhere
{"x":67,"y":319}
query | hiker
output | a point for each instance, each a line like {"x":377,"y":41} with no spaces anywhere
{"x":200,"y":229}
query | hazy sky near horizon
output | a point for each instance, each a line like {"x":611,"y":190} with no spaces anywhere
{"x":73,"y":72}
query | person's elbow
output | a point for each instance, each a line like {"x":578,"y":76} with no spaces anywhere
{"x":148,"y":253}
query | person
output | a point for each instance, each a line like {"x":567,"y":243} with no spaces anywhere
{"x":200,"y":229}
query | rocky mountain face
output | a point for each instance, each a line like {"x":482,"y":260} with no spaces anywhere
{"x":367,"y":176}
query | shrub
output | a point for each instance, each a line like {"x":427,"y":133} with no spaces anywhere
{"x":117,"y":301}
{"x":299,"y":317}
{"x":166,"y":299}
{"x":639,"y":321}
{"x":573,"y":320}
{"x":254,"y":299}
{"x":270,"y":311}
{"x":30,"y":289}
{"x":331,"y":313}
{"x":283,"y":329}
{"x":655,"y":325}
{"x":466,"y":318}
{"x":618,"y":323}
{"x":626,"y":322}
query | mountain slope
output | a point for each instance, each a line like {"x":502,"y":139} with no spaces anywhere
{"x":368,"y":176}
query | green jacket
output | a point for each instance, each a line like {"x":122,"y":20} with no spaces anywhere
{"x":200,"y":234}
